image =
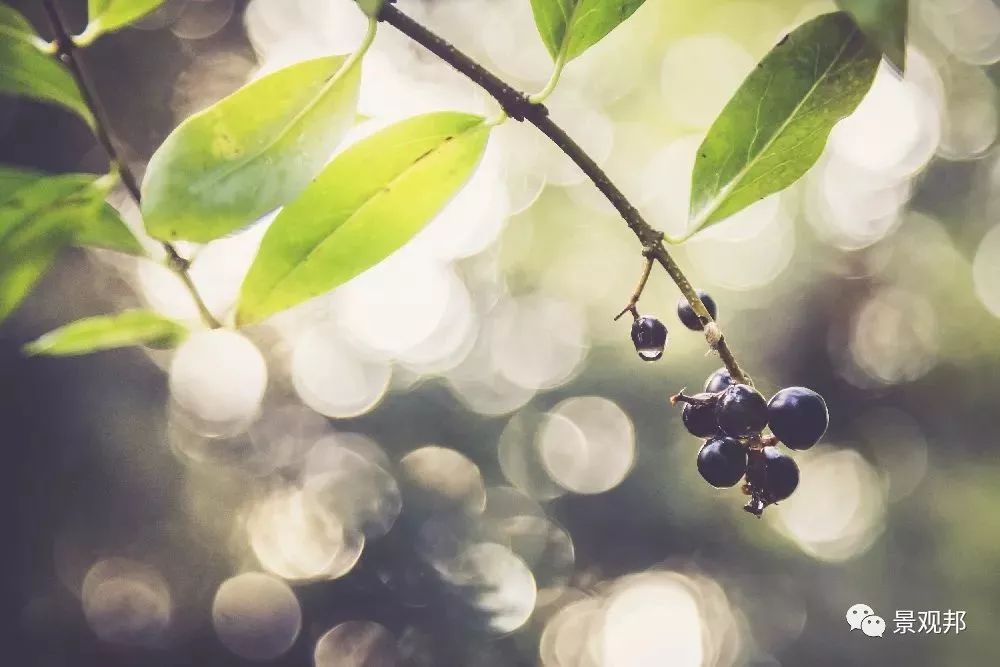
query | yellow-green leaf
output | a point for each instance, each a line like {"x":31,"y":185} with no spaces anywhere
{"x":371,"y":7}
{"x":775,"y":127}
{"x":570,"y":27}
{"x":106,"y":16}
{"x":27,"y":70}
{"x":371,"y":200}
{"x":884,"y":23}
{"x":107,"y":332}
{"x":250,"y":153}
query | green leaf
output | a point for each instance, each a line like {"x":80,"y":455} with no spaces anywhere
{"x":109,"y":15}
{"x":28,"y":71}
{"x":371,"y":7}
{"x":39,"y":216}
{"x":20,"y":273}
{"x":13,"y":23}
{"x":570,"y":27}
{"x":884,"y":23}
{"x":13,"y":178}
{"x":371,"y":200}
{"x":106,"y":229}
{"x":107,"y":332}
{"x":250,"y":153}
{"x":776,"y":125}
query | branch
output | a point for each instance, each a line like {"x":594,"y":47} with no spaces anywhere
{"x":519,"y":107}
{"x":66,"y":53}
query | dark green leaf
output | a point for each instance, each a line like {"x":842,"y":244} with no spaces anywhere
{"x":250,"y":153}
{"x":40,"y":215}
{"x":13,"y":23}
{"x":106,"y":332}
{"x":884,"y":23}
{"x":570,"y":27}
{"x":20,"y":272}
{"x":102,"y":229}
{"x":27,"y":70}
{"x":365,"y":205}
{"x":109,"y":15}
{"x":776,"y":125}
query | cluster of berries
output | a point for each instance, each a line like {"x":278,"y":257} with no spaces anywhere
{"x":731,"y":417}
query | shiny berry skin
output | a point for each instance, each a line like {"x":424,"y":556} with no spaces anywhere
{"x":772,"y":474}
{"x":650,"y":337}
{"x":722,"y":462}
{"x":718,"y":381}
{"x":798,"y":417}
{"x":741,"y":411}
{"x":687,"y":316}
{"x":700,"y":419}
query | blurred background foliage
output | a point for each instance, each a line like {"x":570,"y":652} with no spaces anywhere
{"x":875,"y":281}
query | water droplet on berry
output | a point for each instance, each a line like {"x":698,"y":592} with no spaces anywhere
{"x":650,"y":337}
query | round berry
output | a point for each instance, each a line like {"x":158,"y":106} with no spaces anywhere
{"x":687,"y":315}
{"x":722,"y":462}
{"x":773,"y":474}
{"x":718,"y":381}
{"x":798,"y":417}
{"x":699,"y":418}
{"x":650,"y":337}
{"x":741,"y":411}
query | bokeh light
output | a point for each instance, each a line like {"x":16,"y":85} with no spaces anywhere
{"x":217,"y":381}
{"x":356,"y":644}
{"x":839,"y":507}
{"x":127,"y":602}
{"x":256,"y":616}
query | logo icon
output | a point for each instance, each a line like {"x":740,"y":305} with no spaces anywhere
{"x":861,"y":616}
{"x":873,"y":626}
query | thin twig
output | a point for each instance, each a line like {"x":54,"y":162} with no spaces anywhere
{"x":519,"y":107}
{"x":637,"y":294}
{"x":66,"y":53}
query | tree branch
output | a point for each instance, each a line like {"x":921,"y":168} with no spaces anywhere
{"x":519,"y":107}
{"x":66,"y":53}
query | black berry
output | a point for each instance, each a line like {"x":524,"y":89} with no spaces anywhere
{"x":650,"y":337}
{"x":741,"y":411}
{"x":718,"y":381}
{"x":722,"y":462}
{"x":771,"y":474}
{"x":687,"y":315}
{"x":798,"y":417}
{"x":699,"y":418}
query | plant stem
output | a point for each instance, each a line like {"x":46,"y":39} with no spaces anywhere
{"x":66,"y":53}
{"x":553,"y":81}
{"x":637,"y":294}
{"x":519,"y":107}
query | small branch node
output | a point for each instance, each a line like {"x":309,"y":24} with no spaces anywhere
{"x":713,"y":334}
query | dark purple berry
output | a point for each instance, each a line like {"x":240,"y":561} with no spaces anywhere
{"x":771,"y":474}
{"x":741,"y":411}
{"x":798,"y":417}
{"x":687,"y":315}
{"x":650,"y":337}
{"x":722,"y":462}
{"x":699,"y":418}
{"x":718,"y":381}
